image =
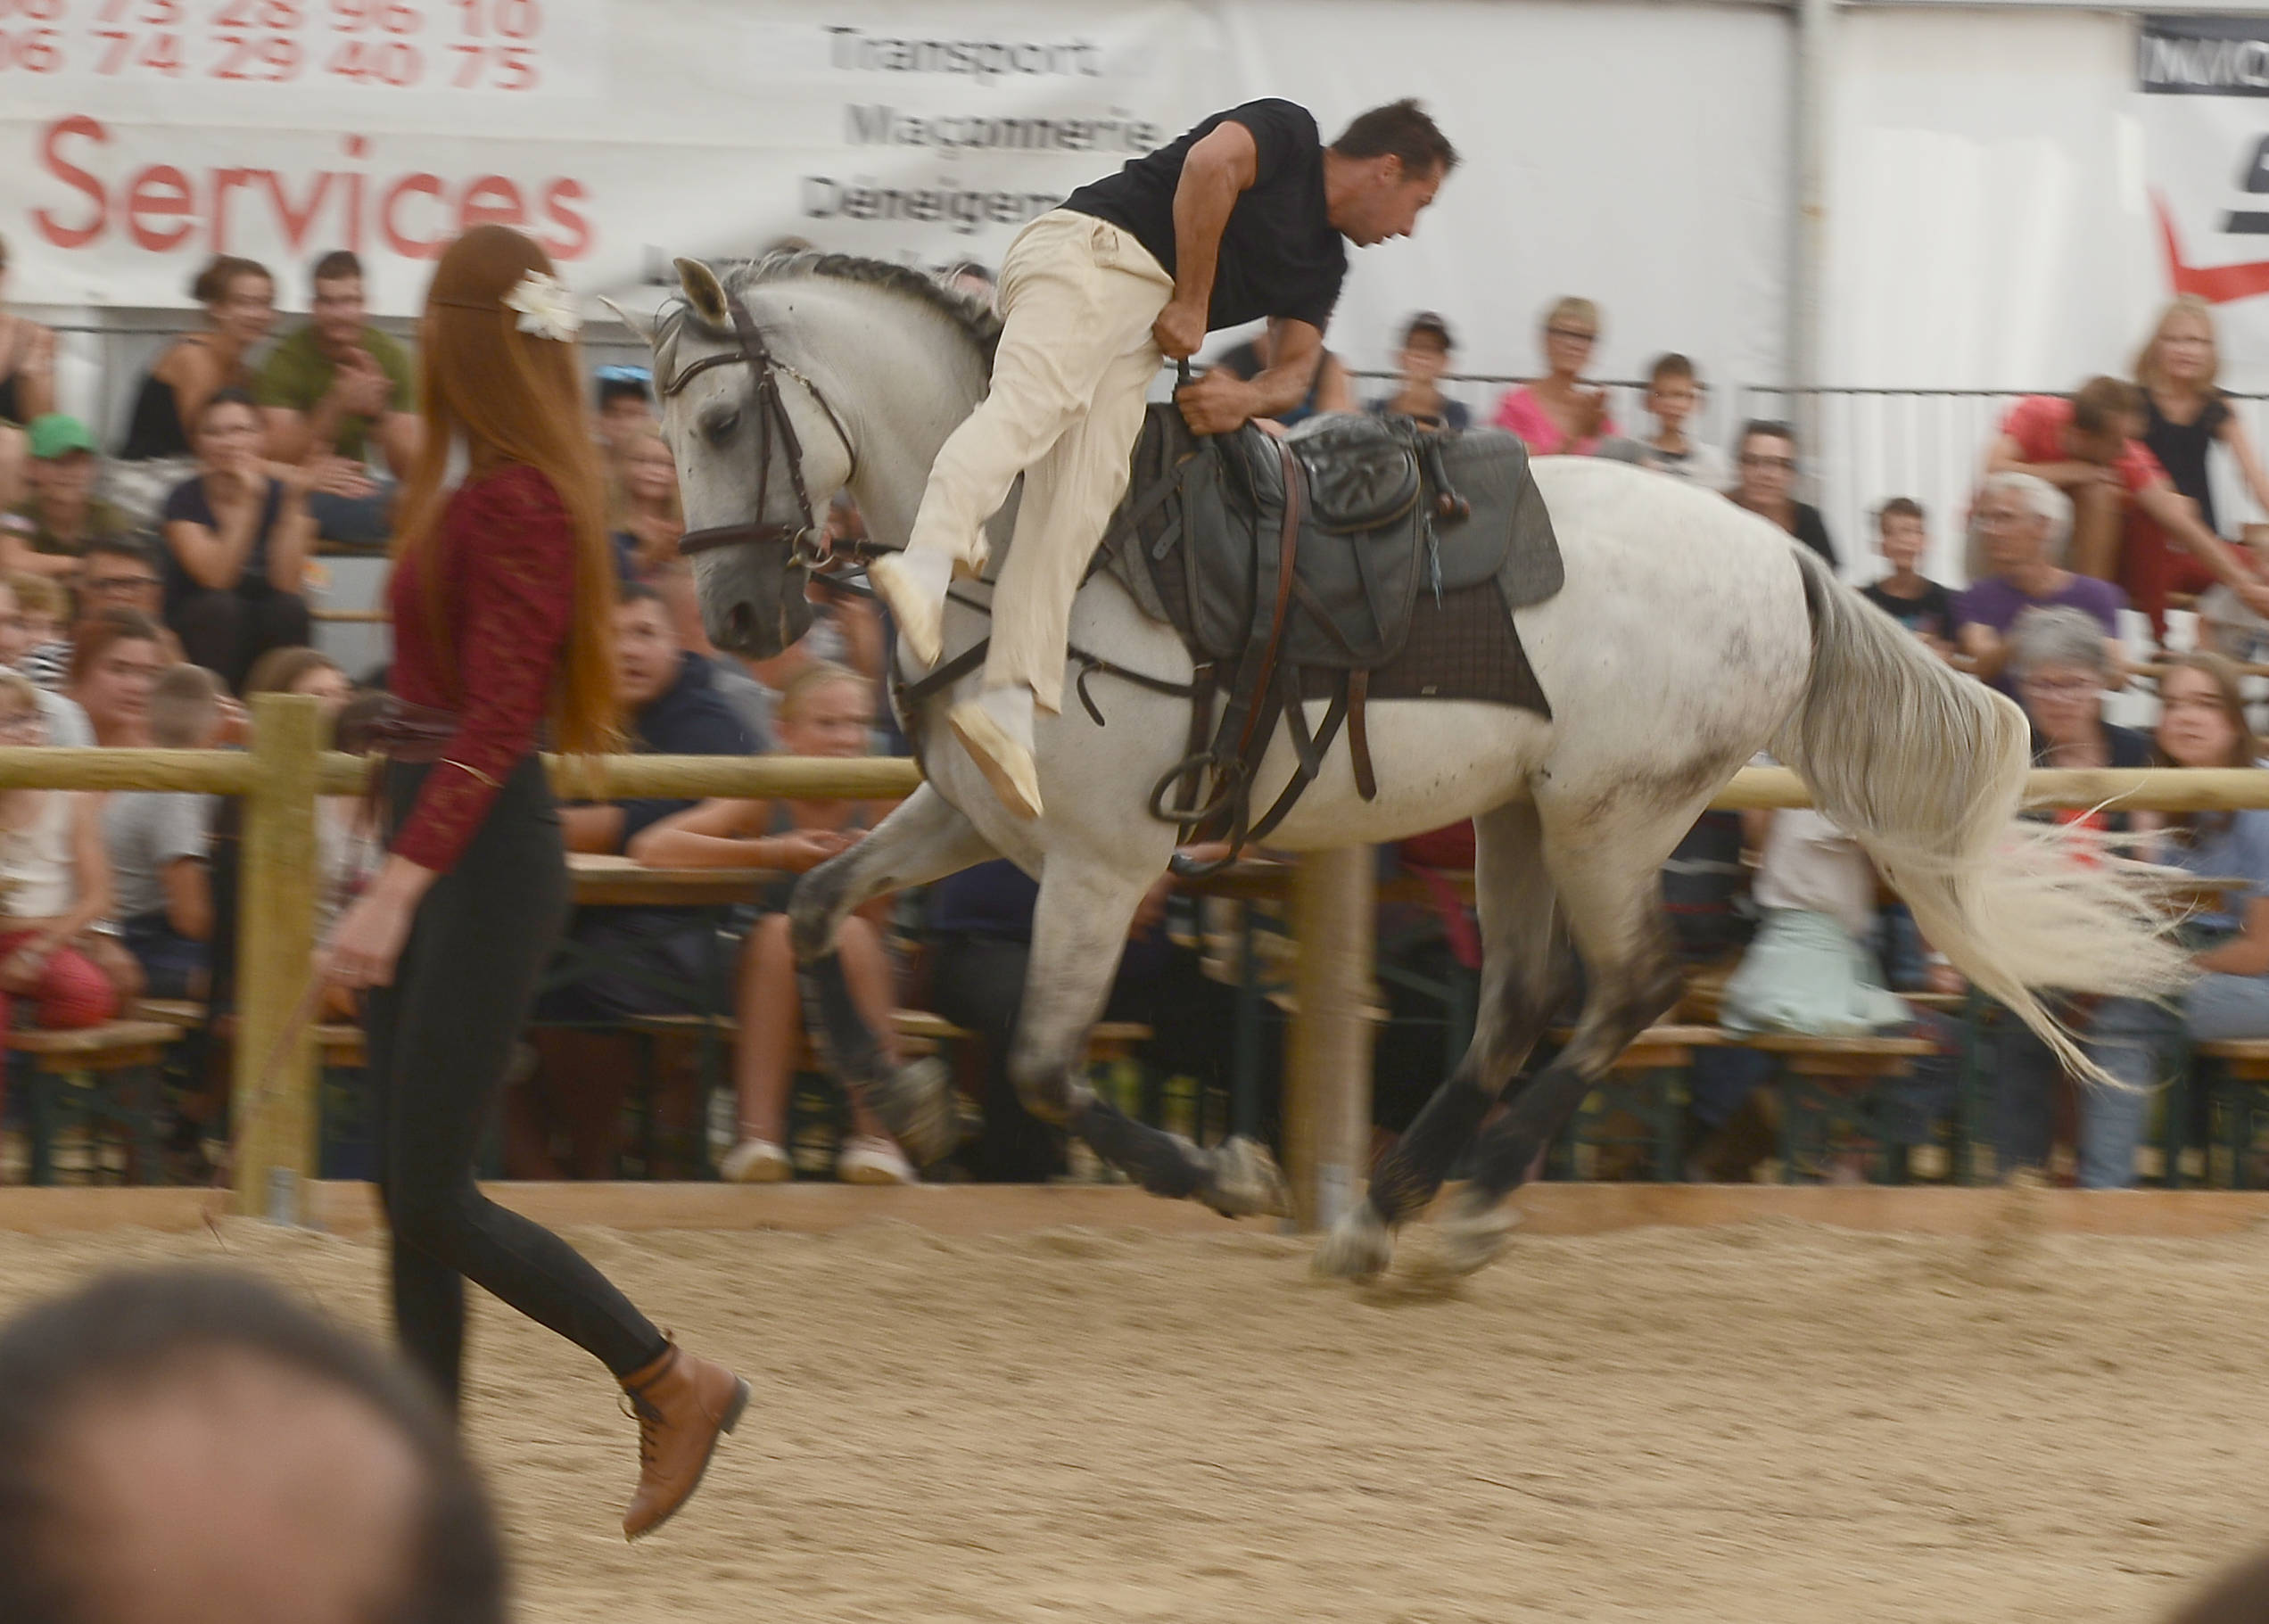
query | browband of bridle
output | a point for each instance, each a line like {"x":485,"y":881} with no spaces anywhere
{"x":807,"y":538}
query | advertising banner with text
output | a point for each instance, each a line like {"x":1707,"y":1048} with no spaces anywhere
{"x":138,"y":137}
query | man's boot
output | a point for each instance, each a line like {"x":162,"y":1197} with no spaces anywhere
{"x":997,"y":731}
{"x":682,"y":1404}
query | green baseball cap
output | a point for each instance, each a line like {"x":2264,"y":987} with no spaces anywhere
{"x":59,"y":435}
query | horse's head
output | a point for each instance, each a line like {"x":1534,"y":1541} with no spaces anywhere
{"x":759,"y":454}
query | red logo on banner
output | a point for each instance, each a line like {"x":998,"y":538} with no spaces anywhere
{"x":2215,"y":283}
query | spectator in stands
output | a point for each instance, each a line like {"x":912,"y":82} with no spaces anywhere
{"x":826,"y":711}
{"x":1906,"y":595}
{"x":239,"y":300}
{"x":2185,"y":413}
{"x":1422,"y":360}
{"x":188,"y":1443}
{"x":237,"y":542}
{"x":159,"y":842}
{"x":646,"y":514}
{"x":27,"y":387}
{"x":333,"y":392}
{"x":673,"y":705}
{"x":1673,"y":395}
{"x":65,"y":722}
{"x":625,"y":407}
{"x":1330,"y":390}
{"x":116,"y":657}
{"x":845,"y":630}
{"x":1560,"y":413}
{"x":2202,"y":723}
{"x":346,"y":843}
{"x":54,"y":887}
{"x":1765,"y":480}
{"x":2087,"y":448}
{"x":1812,"y":968}
{"x":2063,"y":669}
{"x":2022,"y":525}
{"x":46,"y":532}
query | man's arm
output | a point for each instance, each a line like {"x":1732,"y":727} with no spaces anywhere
{"x":1221,"y":401}
{"x":1226,"y":162}
{"x":397,"y":434}
{"x":592,"y":828}
{"x":2008,"y":457}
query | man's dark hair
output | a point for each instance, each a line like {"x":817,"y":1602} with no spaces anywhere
{"x":120,"y":547}
{"x":1401,"y":130}
{"x":229,"y":394}
{"x":1770,"y":428}
{"x":59,"y":1361}
{"x":1667,"y":368}
{"x":1897,"y":507}
{"x":337,"y":265}
{"x":637,"y":592}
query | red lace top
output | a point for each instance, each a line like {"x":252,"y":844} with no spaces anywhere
{"x":508,"y":557}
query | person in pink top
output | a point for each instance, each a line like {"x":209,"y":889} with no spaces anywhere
{"x":1560,"y":413}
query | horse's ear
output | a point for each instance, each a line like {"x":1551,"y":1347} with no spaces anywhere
{"x":641,"y":326}
{"x":702,"y":287}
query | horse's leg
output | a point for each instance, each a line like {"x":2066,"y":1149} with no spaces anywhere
{"x":923,"y":840}
{"x":1604,"y":872}
{"x":1078,"y":928}
{"x":1519,"y":935}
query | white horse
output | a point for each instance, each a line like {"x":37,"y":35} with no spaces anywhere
{"x":1689,"y":636}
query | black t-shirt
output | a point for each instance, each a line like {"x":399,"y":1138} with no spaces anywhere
{"x":2182,"y":451}
{"x":190,"y":502}
{"x":1932,"y":612}
{"x":1811,"y":530}
{"x":1279,"y":254}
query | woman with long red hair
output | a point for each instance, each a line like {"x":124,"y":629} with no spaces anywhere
{"x":502,"y":599}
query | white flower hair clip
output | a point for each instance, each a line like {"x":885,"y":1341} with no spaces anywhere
{"x":547,"y":308}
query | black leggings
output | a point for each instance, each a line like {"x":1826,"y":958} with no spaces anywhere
{"x":440,"y":1039}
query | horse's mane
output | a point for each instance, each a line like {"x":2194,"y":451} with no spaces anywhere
{"x":977,"y":322}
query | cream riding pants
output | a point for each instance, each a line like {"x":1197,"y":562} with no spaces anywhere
{"x":1070,"y":380}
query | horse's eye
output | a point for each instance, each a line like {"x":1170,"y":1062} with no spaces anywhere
{"x":718,"y":425}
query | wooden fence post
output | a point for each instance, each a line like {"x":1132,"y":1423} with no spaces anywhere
{"x":1327,"y":1092}
{"x":276,"y":1117}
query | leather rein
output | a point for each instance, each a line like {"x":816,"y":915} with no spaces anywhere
{"x":807,"y":538}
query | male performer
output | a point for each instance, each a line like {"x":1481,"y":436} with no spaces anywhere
{"x":1241,"y":217}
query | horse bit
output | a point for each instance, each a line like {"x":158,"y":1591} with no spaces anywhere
{"x":808,"y":541}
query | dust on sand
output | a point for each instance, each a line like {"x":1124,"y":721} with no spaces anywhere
{"x":1759,"y":1423}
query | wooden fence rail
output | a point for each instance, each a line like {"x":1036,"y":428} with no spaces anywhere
{"x":282,"y":776}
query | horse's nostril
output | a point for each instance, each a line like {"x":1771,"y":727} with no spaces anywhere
{"x":741,"y":620}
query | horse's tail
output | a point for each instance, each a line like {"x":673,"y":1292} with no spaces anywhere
{"x":1925,"y":767}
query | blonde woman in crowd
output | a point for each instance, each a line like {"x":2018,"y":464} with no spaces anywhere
{"x":1560,"y":412}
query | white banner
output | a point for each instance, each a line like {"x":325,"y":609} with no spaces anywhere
{"x":1631,"y":152}
{"x":2205,"y":98}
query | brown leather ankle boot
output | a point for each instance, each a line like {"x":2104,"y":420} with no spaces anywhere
{"x":681,"y":1405}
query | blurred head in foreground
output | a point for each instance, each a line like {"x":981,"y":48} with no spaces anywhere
{"x":187,"y":1445}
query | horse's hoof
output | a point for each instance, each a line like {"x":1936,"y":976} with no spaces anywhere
{"x":1472,"y":1236}
{"x":1359,"y":1248}
{"x":916,"y":1102}
{"x":1245,"y":1181}
{"x":809,"y":936}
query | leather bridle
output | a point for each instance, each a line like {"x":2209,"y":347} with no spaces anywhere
{"x":807,"y":538}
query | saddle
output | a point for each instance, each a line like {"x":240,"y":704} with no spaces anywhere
{"x":1355,"y":558}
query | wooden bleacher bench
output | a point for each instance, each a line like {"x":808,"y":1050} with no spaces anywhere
{"x":109,"y":1072}
{"x":182,"y":1013}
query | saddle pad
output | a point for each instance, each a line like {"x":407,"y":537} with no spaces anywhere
{"x":1465,"y":647}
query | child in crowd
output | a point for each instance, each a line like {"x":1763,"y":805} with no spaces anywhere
{"x":43,"y":606}
{"x":1921,"y":605}
{"x":159,"y":841}
{"x":1673,"y":395}
{"x":54,"y":884}
{"x":826,"y":710}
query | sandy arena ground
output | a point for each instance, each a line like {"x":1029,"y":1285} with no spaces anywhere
{"x":1759,"y":1423}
